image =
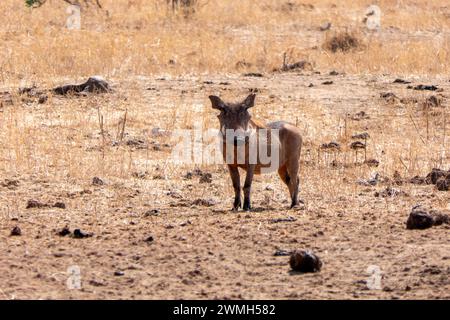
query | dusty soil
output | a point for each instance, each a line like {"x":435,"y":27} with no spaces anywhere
{"x":200,"y":249}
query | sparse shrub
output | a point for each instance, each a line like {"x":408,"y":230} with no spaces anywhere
{"x":342,"y":42}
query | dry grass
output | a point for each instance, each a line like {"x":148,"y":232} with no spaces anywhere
{"x":158,"y":63}
{"x":139,"y":37}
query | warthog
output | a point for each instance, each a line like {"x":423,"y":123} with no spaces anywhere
{"x":243,"y":135}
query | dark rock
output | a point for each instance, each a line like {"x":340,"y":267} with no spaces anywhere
{"x":153,"y":212}
{"x":305,"y":261}
{"x":43,"y":99}
{"x":253,"y":74}
{"x":443,"y":183}
{"x":435,"y":174}
{"x":149,"y":239}
{"x":419,"y":220}
{"x":93,"y":85}
{"x":96,"y":181}
{"x":78,"y":234}
{"x":328,"y":82}
{"x":35,"y":204}
{"x":119,"y":273}
{"x":60,"y":205}
{"x":64,"y":231}
{"x":423,"y":87}
{"x":16,"y":231}
{"x":280,"y":253}
{"x":288,"y":219}
{"x":422,"y":218}
{"x":204,"y":202}
{"x":398,"y":80}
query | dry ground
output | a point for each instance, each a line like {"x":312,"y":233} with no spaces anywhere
{"x":50,"y":152}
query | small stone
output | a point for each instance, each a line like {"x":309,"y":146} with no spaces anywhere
{"x":419,"y":220}
{"x":305,"y":261}
{"x":119,"y":273}
{"x":78,"y":234}
{"x":152,"y":213}
{"x":149,"y":239}
{"x":34,"y":204}
{"x":16,"y":231}
{"x":96,"y":181}
{"x":64,"y":231}
{"x":60,"y":205}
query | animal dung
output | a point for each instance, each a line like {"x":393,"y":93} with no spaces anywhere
{"x":305,"y":261}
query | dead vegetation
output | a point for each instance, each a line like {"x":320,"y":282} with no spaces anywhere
{"x":85,"y":178}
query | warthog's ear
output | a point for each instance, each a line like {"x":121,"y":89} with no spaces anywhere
{"x":217,"y":103}
{"x":249,"y":101}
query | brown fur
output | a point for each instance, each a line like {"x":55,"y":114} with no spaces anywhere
{"x":236,"y":117}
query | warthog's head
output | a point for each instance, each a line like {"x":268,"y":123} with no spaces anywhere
{"x":234,"y":118}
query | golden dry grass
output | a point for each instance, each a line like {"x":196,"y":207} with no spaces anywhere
{"x":53,"y":150}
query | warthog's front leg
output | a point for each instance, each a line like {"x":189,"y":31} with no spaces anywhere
{"x":234,"y":173}
{"x":248,"y":186}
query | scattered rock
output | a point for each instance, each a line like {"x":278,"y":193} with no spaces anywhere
{"x":288,"y":219}
{"x":35,"y":204}
{"x":78,"y":234}
{"x":16,"y":231}
{"x":204,"y":202}
{"x":435,"y":175}
{"x":305,"y":261}
{"x":398,"y":80}
{"x":328,"y":82}
{"x":152,"y":213}
{"x":423,"y":87}
{"x":119,"y":273}
{"x":94,"y":84}
{"x":362,"y":115}
{"x":253,"y":74}
{"x":60,"y":205}
{"x":372,"y":162}
{"x":64,"y":231}
{"x":422,"y":218}
{"x":137,"y":143}
{"x":42,"y":99}
{"x":333,"y":73}
{"x":443,"y":183}
{"x":389,"y":97}
{"x":149,"y":239}
{"x":418,"y":180}
{"x":390,"y":192}
{"x":96,"y":181}
{"x":281,"y":253}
